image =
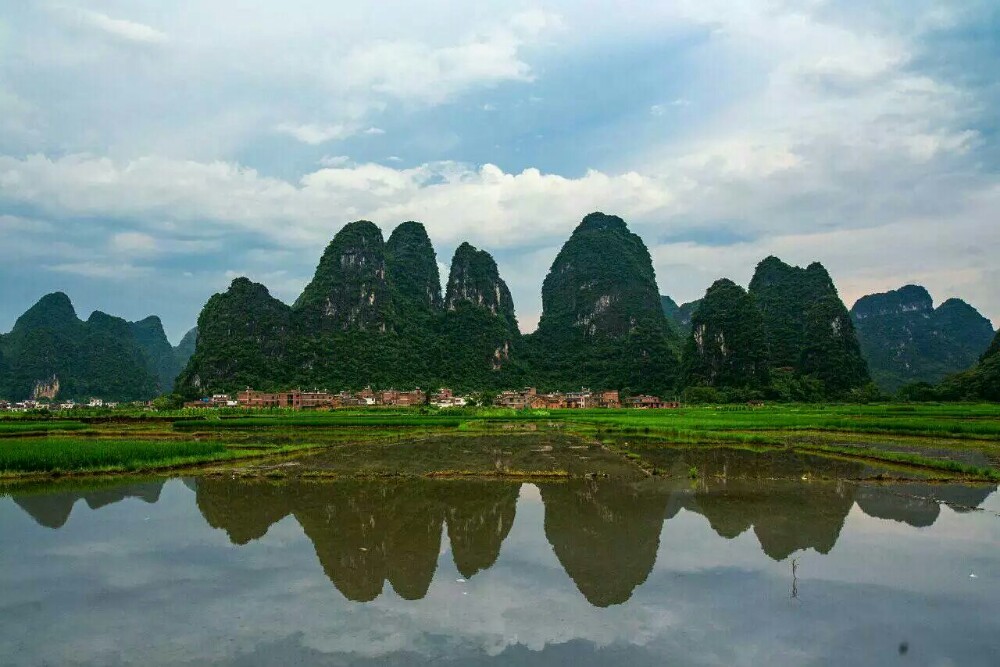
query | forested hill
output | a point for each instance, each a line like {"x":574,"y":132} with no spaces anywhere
{"x":374,"y":314}
{"x":906,"y":339}
{"x":979,"y":383}
{"x":602,"y":324}
{"x":104,"y":356}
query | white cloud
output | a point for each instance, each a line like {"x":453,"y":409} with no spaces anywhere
{"x":334,"y":160}
{"x":120,"y":29}
{"x":818,"y":130}
{"x":133,"y":243}
{"x":103,"y":270}
{"x":418,"y":72}
{"x":313,"y":134}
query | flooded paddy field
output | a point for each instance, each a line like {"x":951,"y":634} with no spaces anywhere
{"x":737,"y":568}
{"x":590,"y":538}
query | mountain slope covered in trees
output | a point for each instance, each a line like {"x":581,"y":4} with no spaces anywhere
{"x":104,"y":356}
{"x":727,"y":347}
{"x":809,"y":331}
{"x":375,"y":314}
{"x":372,"y":315}
{"x":905,"y":339}
{"x":602,"y":322}
{"x":979,"y":383}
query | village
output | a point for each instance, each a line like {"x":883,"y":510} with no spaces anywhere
{"x":52,"y":405}
{"x":527,"y":398}
{"x":299,"y":399}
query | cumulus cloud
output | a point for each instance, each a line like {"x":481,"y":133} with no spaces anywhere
{"x":415,"y":71}
{"x":119,"y":29}
{"x":814,"y":131}
{"x":311,"y":133}
{"x":457,"y":201}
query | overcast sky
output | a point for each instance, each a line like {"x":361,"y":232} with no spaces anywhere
{"x":150,"y":152}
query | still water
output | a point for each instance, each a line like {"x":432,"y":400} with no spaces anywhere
{"x":648,"y":572}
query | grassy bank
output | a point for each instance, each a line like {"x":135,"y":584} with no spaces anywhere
{"x":959,"y":440}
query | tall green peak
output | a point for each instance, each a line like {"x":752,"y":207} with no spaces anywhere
{"x":479,"y":332}
{"x":100,"y":357}
{"x":601,"y":222}
{"x":52,"y":310}
{"x":808,"y":328}
{"x":602,"y":321}
{"x":602,"y":282}
{"x":188,"y":343}
{"x":243,"y":340}
{"x":412,"y":266}
{"x":350,"y":289}
{"x":905,"y":339}
{"x":109,"y":323}
{"x":162,"y":358}
{"x":994,"y":349}
{"x":727,"y":346}
{"x":679,"y":315}
{"x":669,"y":307}
{"x":979,"y":383}
{"x":475,"y":279}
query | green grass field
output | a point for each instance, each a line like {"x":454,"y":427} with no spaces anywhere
{"x":69,"y":454}
{"x":960,"y":440}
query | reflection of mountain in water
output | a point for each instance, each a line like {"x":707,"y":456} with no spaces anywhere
{"x":244,"y":511}
{"x":918,"y":505}
{"x":785,"y":515}
{"x":52,"y":510}
{"x":737,"y":490}
{"x":479,"y":516}
{"x":367,"y":533}
{"x":606,"y":535}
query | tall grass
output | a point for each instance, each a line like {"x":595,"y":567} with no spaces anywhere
{"x":25,"y":426}
{"x":65,"y":454}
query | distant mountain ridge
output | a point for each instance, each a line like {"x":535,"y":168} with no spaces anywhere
{"x":374,"y":314}
{"x":906,"y":339}
{"x":104,"y":356}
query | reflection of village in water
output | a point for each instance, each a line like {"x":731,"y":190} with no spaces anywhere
{"x":605,"y":533}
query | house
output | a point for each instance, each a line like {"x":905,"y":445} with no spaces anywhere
{"x":445,"y":398}
{"x":366,"y":396}
{"x":609,"y":399}
{"x":402,"y":398}
{"x":644,"y":401}
{"x":554,"y":401}
{"x":580,"y":399}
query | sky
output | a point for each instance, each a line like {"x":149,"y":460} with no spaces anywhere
{"x":151,"y":152}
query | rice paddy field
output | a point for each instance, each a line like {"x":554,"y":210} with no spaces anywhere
{"x":902,"y":441}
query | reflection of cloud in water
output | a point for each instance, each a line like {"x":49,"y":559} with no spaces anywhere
{"x":247,"y":604}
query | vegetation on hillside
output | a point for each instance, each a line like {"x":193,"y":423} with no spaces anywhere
{"x":727,"y":348}
{"x":808,"y":329}
{"x":602,"y":322}
{"x":906,"y":340}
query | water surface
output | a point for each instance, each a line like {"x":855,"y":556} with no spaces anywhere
{"x":735,"y":568}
